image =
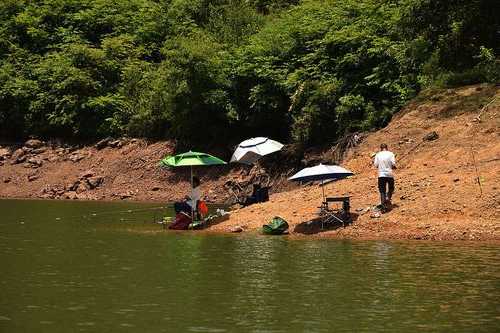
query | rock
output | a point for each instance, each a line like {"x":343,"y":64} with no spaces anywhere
{"x":456,"y":180}
{"x":33,"y":143}
{"x":19,"y":160}
{"x":431,"y":136}
{"x":35,"y":163}
{"x":73,"y":186}
{"x":375,"y":215}
{"x":103,"y":143}
{"x":32,"y":177}
{"x":236,"y":229}
{"x":60,"y":151}
{"x":363,"y":211}
{"x":155,"y":188}
{"x":82,"y":187}
{"x":4,"y":154}
{"x":125,"y":195}
{"x":76,"y":158}
{"x":70,"y":195}
{"x":19,"y":156}
{"x":7,"y":180}
{"x":39,"y":150}
{"x":115,"y":144}
{"x":87,"y":174}
{"x":95,"y":182}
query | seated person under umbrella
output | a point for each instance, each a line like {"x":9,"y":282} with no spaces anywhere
{"x":189,"y":203}
{"x":259,"y":194}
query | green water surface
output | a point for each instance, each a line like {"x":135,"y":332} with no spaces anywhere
{"x":96,"y":267}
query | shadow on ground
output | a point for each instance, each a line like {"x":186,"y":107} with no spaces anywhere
{"x":318,"y":225}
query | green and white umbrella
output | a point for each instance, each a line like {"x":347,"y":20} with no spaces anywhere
{"x":191,"y":158}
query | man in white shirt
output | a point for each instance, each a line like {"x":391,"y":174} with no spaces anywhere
{"x":189,"y":204}
{"x":385,"y":163}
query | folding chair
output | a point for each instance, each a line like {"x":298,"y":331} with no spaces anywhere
{"x":330,"y":215}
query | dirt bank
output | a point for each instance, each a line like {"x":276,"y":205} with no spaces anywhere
{"x":437,"y":191}
{"x":124,"y":169}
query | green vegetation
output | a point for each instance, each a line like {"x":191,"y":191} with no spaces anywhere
{"x":216,"y":71}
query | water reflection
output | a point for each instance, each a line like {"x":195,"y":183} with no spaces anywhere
{"x":96,"y":275}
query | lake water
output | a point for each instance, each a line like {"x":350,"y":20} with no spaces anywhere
{"x":67,"y":270}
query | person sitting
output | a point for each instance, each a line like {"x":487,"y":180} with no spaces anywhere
{"x":259,"y":194}
{"x":253,"y":198}
{"x":189,"y":204}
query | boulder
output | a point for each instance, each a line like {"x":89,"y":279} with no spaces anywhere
{"x":103,"y":143}
{"x":39,"y":150}
{"x":73,"y":186}
{"x":82,"y":187}
{"x":34,"y":162}
{"x":70,"y":195}
{"x":95,"y":182}
{"x":32,"y":177}
{"x":7,"y":180}
{"x":126,"y":195}
{"x":4,"y":154}
{"x":87,"y":174}
{"x":33,"y":143}
{"x":236,"y":229}
{"x":19,"y":156}
{"x":431,"y":136}
{"x":60,"y":151}
{"x":115,"y":144}
{"x":76,"y":158}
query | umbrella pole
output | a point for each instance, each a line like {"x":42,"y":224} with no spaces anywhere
{"x":323,"y":190}
{"x":192,"y":194}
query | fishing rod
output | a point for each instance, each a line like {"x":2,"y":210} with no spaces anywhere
{"x":114,"y":212}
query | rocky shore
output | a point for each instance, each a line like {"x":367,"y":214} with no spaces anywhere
{"x":447,"y":145}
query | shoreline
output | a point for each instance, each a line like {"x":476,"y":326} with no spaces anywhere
{"x":446,"y":186}
{"x":336,"y":234}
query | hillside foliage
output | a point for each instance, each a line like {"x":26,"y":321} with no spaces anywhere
{"x":218,"y":71}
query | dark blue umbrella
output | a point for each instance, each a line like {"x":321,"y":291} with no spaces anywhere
{"x":321,"y":172}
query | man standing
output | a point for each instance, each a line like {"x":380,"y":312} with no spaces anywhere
{"x":385,"y":162}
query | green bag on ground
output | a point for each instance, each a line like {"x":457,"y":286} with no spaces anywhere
{"x":276,"y":227}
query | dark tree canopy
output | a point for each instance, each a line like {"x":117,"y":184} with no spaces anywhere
{"x":217,"y":71}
